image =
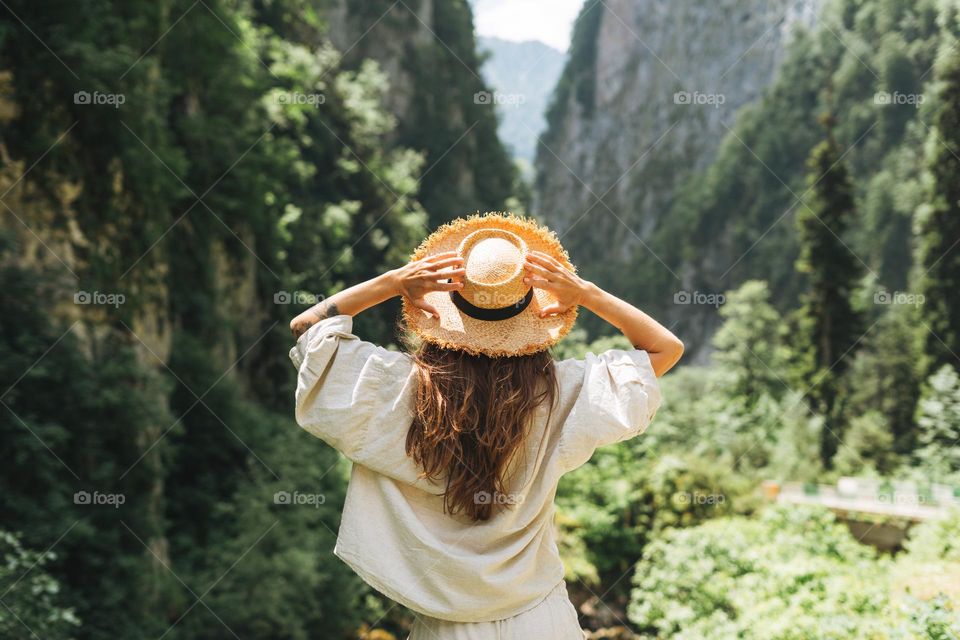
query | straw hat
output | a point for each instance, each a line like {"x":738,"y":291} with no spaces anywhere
{"x":495,"y":313}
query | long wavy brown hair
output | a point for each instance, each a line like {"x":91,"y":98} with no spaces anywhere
{"x":472,"y":415}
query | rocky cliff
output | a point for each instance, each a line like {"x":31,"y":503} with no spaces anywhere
{"x":428,"y":51}
{"x":153,"y":246}
{"x":648,"y":93}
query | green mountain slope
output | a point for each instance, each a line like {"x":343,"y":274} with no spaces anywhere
{"x":643,"y":103}
{"x":867,"y":63}
{"x":731,"y":218}
{"x":428,"y":51}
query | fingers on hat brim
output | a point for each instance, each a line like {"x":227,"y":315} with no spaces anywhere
{"x":524,"y":334}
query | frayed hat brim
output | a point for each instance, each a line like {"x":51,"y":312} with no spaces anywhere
{"x":523,"y":334}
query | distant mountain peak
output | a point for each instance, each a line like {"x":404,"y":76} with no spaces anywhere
{"x":522,"y":76}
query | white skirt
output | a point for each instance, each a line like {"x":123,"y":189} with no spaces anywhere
{"x":554,"y":619}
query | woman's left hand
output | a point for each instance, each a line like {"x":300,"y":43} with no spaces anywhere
{"x":416,"y":279}
{"x":545,"y":272}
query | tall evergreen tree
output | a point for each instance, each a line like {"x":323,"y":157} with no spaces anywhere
{"x":751,"y":352}
{"x":831,"y":324}
{"x":938,"y":222}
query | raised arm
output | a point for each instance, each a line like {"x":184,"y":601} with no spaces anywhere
{"x":413,"y":280}
{"x":641,"y":330}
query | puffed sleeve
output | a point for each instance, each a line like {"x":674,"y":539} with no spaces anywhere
{"x":617,"y":398}
{"x":348,"y":388}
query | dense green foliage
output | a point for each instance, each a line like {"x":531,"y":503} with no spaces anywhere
{"x":750,"y":319}
{"x":193,"y":502}
{"x":828,"y":366}
{"x":242,"y":167}
{"x":707,"y":450}
{"x":832,"y":327}
{"x":723,"y":430}
{"x":85,"y":439}
{"x":791,"y":573}
{"x":253,"y":166}
{"x":888,"y":360}
{"x":437,"y":64}
{"x":938,"y":418}
{"x":733,"y":221}
{"x":939,"y":218}
{"x":31,"y":596}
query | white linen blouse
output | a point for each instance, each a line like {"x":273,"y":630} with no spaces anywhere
{"x":359,"y":398}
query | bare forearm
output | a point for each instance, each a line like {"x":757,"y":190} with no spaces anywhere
{"x":349,"y":302}
{"x":414,"y":280}
{"x":640,"y":329}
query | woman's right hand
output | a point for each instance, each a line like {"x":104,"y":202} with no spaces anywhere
{"x":415,"y":280}
{"x":545,"y":272}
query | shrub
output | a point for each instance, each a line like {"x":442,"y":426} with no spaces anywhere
{"x":791,"y":573}
{"x":32,"y":604}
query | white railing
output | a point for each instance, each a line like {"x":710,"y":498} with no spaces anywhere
{"x":908,"y":500}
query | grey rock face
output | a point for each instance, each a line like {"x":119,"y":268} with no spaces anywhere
{"x":383,"y":35}
{"x":667,"y":78}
